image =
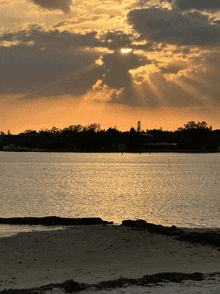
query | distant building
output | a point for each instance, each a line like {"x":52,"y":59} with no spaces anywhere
{"x":139,"y":126}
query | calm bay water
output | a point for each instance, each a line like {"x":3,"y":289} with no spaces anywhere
{"x":162,"y":188}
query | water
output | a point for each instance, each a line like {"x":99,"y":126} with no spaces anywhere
{"x":163,"y":188}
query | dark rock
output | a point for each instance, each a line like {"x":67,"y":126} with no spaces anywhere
{"x":172,"y":277}
{"x":71,"y":286}
{"x":158,"y":229}
{"x":53,"y":221}
{"x":115,"y":283}
{"x":207,"y":238}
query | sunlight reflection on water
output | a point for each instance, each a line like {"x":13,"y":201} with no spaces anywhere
{"x":162,"y":188}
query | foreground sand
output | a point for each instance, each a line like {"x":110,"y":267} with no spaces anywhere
{"x":91,"y":254}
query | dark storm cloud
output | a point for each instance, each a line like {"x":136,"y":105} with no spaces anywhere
{"x":115,"y":40}
{"x":118,"y":39}
{"x":173,"y":27}
{"x":53,"y":63}
{"x":117,"y":76}
{"x":43,"y":64}
{"x":198,"y":4}
{"x":63,"y":5}
{"x":51,"y":45}
{"x":49,"y":65}
{"x":117,"y":66}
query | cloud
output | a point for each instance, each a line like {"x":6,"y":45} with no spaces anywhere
{"x":155,"y":93}
{"x":36,"y":63}
{"x":198,"y":4}
{"x":47,"y":63}
{"x":116,"y":39}
{"x":4,"y":3}
{"x":117,"y":66}
{"x":63,"y":5}
{"x":171,"y":68}
{"x":9,"y":3}
{"x":173,"y":27}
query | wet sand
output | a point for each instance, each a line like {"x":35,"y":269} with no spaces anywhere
{"x":91,"y":254}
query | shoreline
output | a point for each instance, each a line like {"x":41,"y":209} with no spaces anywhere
{"x":91,"y":254}
{"x":53,"y":221}
{"x":210,"y":236}
{"x":147,"y":281}
{"x":123,"y":152}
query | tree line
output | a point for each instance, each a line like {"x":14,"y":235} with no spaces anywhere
{"x":192,"y":137}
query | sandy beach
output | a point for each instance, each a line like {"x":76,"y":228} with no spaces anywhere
{"x":91,"y":254}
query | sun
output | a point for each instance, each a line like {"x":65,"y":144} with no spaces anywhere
{"x":126,"y":50}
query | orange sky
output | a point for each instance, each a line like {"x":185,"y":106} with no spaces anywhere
{"x":111,"y":62}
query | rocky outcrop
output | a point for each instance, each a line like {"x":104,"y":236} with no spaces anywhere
{"x":174,"y":277}
{"x":208,"y":238}
{"x":211,"y":238}
{"x":53,"y":221}
{"x":158,"y":229}
{"x":70,"y":286}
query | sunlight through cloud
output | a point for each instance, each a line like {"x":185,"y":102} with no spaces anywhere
{"x":126,"y":50}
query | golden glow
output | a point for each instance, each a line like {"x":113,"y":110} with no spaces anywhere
{"x":9,"y":43}
{"x":99,"y":61}
{"x":126,"y":50}
{"x":155,"y":91}
{"x":188,"y":88}
{"x":67,"y":110}
{"x":141,"y":73}
{"x":173,"y":74}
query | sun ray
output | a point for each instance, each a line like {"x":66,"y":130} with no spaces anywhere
{"x":155,"y":91}
{"x":147,"y":92}
{"x":190,"y":89}
{"x":198,"y":79}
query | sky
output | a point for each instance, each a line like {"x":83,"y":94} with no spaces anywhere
{"x":112,"y":62}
